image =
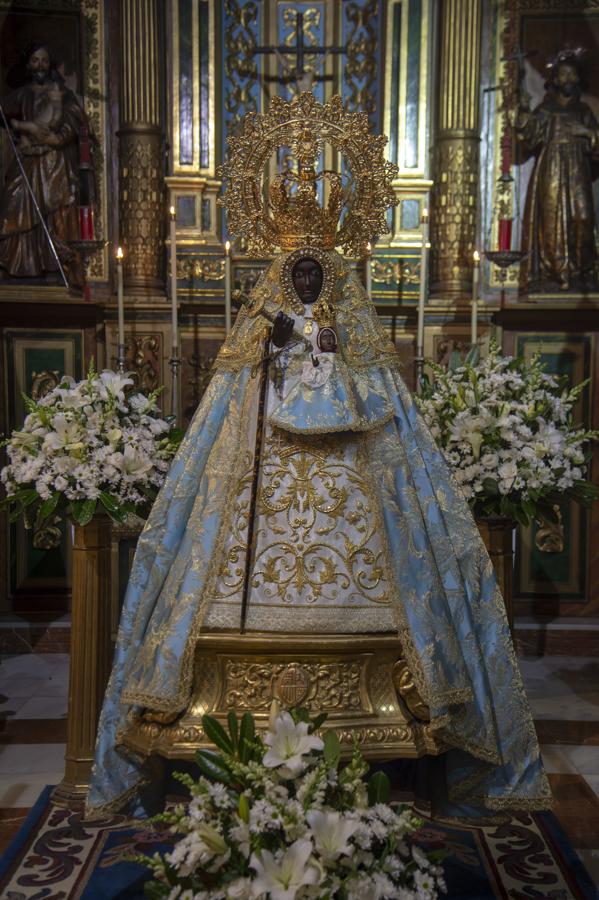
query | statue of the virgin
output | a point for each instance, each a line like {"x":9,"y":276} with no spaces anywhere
{"x":310,"y":544}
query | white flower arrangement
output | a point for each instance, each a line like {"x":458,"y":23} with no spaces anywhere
{"x":88,"y":446}
{"x":278,"y":818}
{"x":506,"y":429}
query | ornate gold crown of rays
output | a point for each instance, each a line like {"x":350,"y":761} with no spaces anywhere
{"x":285,"y":211}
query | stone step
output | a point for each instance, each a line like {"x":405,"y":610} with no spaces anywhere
{"x":34,"y":634}
{"x":565,"y":636}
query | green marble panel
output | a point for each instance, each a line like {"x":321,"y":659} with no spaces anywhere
{"x":35,"y":361}
{"x":560,"y":574}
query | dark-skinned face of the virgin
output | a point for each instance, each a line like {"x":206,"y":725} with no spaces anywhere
{"x":307,"y":279}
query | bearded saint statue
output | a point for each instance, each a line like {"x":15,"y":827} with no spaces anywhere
{"x":559,"y":222}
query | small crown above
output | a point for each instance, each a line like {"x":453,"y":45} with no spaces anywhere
{"x":301,"y":205}
{"x":300,"y":218}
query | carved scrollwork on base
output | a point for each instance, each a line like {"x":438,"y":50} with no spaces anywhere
{"x":361,"y":682}
{"x":319,"y":686}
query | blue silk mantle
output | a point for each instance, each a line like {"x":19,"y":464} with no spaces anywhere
{"x":448,"y":611}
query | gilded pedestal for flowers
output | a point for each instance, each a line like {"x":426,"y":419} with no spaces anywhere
{"x":497,"y":533}
{"x":90,"y":655}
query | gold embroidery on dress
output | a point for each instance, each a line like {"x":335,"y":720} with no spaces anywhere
{"x":317,"y":538}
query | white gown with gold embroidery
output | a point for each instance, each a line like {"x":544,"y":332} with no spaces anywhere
{"x":320,"y":562}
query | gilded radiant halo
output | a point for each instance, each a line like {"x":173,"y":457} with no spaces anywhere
{"x":285,"y":210}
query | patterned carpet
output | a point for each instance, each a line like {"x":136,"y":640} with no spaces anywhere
{"x":56,"y":856}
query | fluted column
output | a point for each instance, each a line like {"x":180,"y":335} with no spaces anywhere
{"x":141,"y":181}
{"x":456,"y":149}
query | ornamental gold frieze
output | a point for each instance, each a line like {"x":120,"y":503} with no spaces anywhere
{"x":357,"y":680}
{"x":395,"y":272}
{"x":181,"y":741}
{"x":200,"y":268}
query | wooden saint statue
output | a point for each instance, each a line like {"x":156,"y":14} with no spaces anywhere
{"x":39,"y":194}
{"x":559,"y":222}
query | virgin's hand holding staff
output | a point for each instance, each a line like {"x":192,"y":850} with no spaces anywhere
{"x":284,"y":328}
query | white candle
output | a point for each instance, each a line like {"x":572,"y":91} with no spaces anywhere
{"x":474,"y":310}
{"x":227,"y":287}
{"x":422,"y":295}
{"x":120,"y":300}
{"x":175,"y":320}
{"x":368,"y":268}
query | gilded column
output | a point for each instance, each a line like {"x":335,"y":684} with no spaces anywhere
{"x":456,"y":149}
{"x":141,"y":175}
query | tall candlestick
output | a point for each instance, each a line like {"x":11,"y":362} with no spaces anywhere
{"x":424,"y":248}
{"x":175,"y":360}
{"x":474,"y":310}
{"x":368,"y":269}
{"x":173,"y":238}
{"x":120,"y":364}
{"x":227,"y":287}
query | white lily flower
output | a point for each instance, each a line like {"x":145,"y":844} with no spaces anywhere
{"x":282,"y":878}
{"x":135,"y":463}
{"x":289,"y":743}
{"x":115,"y":382}
{"x":24,"y":439}
{"x":331,"y":832}
{"x":212,"y":838}
{"x":66,"y":435}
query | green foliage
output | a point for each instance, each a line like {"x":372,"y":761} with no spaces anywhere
{"x":332,"y":749}
{"x":379,"y":788}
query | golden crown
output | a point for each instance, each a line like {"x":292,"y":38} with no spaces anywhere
{"x":286,"y":210}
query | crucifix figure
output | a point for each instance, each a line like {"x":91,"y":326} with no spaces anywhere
{"x":304,"y":78}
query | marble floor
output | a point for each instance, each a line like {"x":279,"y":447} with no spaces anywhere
{"x":563,"y":691}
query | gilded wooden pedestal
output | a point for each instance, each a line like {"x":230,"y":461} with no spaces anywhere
{"x":497,"y":533}
{"x":361,"y":682}
{"x":90,"y":655}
